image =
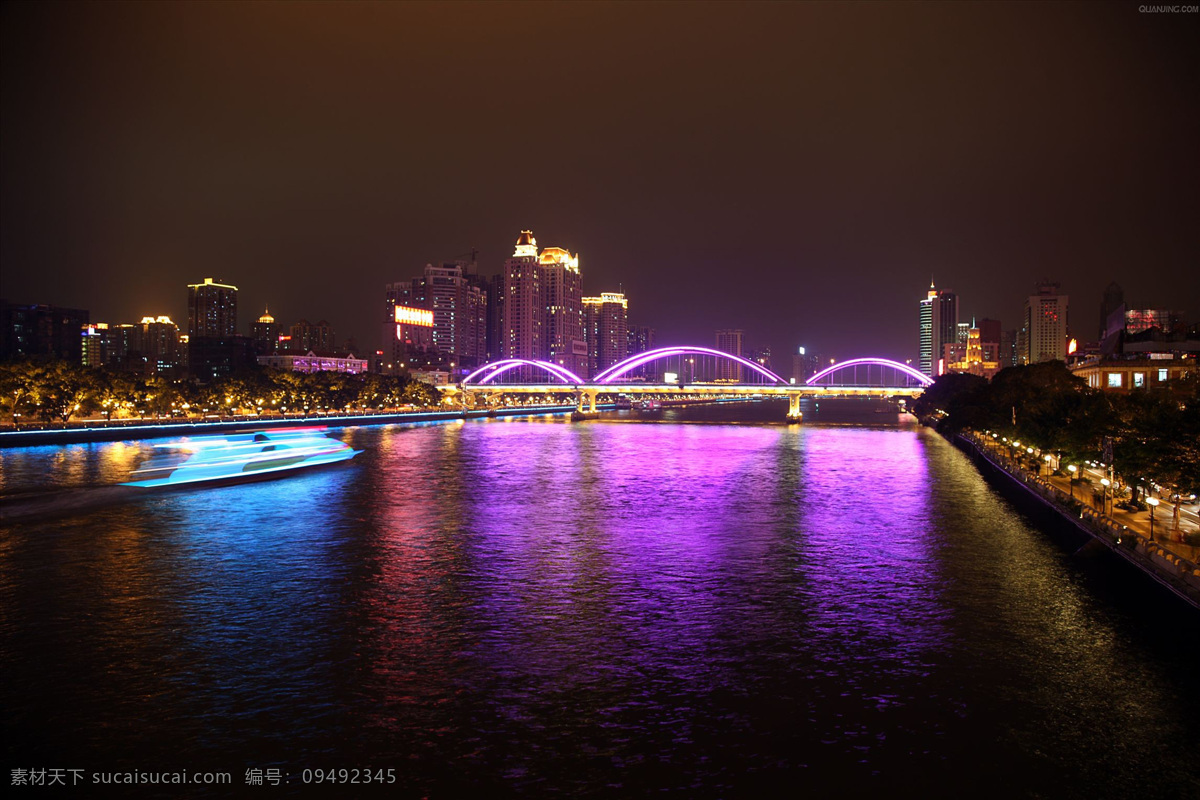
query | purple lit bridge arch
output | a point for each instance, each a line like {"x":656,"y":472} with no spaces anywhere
{"x":884,"y":365}
{"x":894,"y":380}
{"x":622,"y":368}
{"x":488,"y":372}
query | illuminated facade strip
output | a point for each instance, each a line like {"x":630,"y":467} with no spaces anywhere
{"x":921,"y":378}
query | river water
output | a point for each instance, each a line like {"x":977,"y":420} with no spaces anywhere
{"x":603,"y":608}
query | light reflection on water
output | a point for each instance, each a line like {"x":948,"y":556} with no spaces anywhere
{"x":551,"y":606}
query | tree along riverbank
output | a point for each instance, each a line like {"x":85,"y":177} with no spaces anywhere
{"x":1147,"y":439}
{"x":1082,"y":524}
{"x":82,"y":432}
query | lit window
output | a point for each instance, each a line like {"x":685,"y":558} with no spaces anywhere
{"x":1139,"y":380}
{"x":1162,"y":374}
{"x":1114,"y":380}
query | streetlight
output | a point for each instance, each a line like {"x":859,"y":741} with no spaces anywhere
{"x":1153,"y":503}
{"x":1105,"y":482}
{"x":1046,"y":458}
{"x":1072,"y":469}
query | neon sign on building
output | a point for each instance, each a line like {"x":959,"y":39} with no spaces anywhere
{"x":414,"y":316}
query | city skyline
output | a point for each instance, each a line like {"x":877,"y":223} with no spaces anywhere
{"x":284,"y":160}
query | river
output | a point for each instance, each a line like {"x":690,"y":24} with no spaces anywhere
{"x":698,"y":600}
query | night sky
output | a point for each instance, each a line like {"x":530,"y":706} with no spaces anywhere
{"x":799,"y":171}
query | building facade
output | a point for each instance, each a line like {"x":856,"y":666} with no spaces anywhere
{"x":563,"y":283}
{"x":212,"y":309}
{"x":606,"y":330}
{"x":1129,"y":374}
{"x":265,"y":332}
{"x":41,"y":331}
{"x":938,"y":326}
{"x":541,"y":313}
{"x":1045,"y":327}
{"x":309,"y":336}
{"x":315,"y":362}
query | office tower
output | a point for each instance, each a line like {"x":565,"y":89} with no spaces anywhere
{"x":265,"y":333}
{"x":1114,"y":299}
{"x":41,"y":331}
{"x":938,"y":327}
{"x":925,"y":341}
{"x":1045,"y":328}
{"x":212,"y":310}
{"x":606,"y":330}
{"x":732,"y":341}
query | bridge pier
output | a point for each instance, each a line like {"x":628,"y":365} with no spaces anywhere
{"x":587,"y":402}
{"x":794,"y":413}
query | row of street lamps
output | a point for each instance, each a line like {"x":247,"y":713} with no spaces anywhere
{"x":1074,"y":470}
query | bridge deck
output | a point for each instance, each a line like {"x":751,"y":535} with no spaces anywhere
{"x":695,"y":389}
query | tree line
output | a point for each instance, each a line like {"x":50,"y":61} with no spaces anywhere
{"x":57,"y":391}
{"x":1154,"y":434}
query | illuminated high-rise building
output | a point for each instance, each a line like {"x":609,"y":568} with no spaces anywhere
{"x":523,"y":320}
{"x":563,"y":284}
{"x":606,"y":330}
{"x":159,"y":345}
{"x":938,"y":327}
{"x":1045,"y":328}
{"x":459,"y":308}
{"x":542,"y":307}
{"x":212,"y":310}
{"x":732,"y":341}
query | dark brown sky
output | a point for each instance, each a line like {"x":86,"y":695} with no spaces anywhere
{"x":796,"y":170}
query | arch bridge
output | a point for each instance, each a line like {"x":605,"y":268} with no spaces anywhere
{"x":859,"y":377}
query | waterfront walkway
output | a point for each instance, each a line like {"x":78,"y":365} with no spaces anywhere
{"x":1166,"y":555}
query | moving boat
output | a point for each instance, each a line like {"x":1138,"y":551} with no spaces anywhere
{"x":240,"y":456}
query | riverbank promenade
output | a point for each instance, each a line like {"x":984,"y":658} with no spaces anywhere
{"x":1163,"y":549}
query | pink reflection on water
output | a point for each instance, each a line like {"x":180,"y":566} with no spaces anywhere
{"x":870,"y":561}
